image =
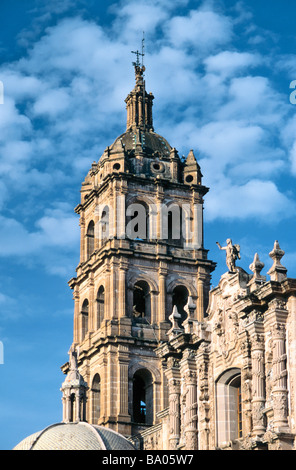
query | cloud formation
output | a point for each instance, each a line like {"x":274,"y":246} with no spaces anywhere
{"x":64,"y":103}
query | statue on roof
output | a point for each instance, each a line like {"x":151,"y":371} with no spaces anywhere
{"x":232,"y":254}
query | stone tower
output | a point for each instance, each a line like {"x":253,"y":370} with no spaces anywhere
{"x":143,"y":267}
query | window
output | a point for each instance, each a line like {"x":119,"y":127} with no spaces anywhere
{"x":180,"y":298}
{"x":229,"y":406}
{"x":84,"y":319}
{"x":143,"y":397}
{"x":141,"y":301}
{"x":90,"y":239}
{"x":100,"y":306}
{"x":96,"y":399}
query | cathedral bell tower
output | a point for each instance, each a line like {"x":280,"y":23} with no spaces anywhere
{"x":142,"y":258}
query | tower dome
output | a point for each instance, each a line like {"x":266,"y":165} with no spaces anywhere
{"x":140,"y":150}
{"x":75,"y":436}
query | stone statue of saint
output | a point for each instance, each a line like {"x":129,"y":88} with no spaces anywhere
{"x":73,"y":358}
{"x":232,"y":254}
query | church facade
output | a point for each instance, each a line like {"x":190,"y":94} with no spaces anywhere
{"x":158,"y":355}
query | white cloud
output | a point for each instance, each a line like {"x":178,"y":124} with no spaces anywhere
{"x":57,"y":228}
{"x":200,"y":29}
{"x":134,"y":17}
{"x":64,"y":104}
{"x":13,"y":124}
{"x":228,"y":63}
{"x":52,"y":103}
{"x":257,"y":199}
{"x":253,"y":98}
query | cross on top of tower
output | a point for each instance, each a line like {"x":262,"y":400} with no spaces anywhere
{"x":139,"y":68}
{"x":138,"y":54}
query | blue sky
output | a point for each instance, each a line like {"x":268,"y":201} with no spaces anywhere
{"x":220,"y":72}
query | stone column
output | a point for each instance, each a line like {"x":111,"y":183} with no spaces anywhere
{"x":80,"y":406}
{"x":67,"y":406}
{"x":91,"y":302}
{"x":174,"y":385}
{"x":246,"y":382}
{"x":276,"y":318}
{"x":113,"y":295}
{"x":291,"y":363}
{"x":123,"y":414}
{"x":82,"y":238}
{"x":189,"y":376}
{"x":112,"y":384}
{"x":279,"y":391}
{"x":202,"y":281}
{"x":200,"y":299}
{"x":134,"y":111}
{"x":162,"y":294}
{"x":159,"y":214}
{"x":258,"y":384}
{"x":114,"y":213}
{"x":122,"y":289}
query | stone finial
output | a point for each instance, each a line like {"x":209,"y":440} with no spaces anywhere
{"x":256,"y":267}
{"x":174,"y":317}
{"x":190,"y":308}
{"x":277,"y":272}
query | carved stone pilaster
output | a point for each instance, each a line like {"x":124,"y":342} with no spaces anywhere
{"x":258,"y":384}
{"x":189,"y":378}
{"x":279,"y":391}
{"x":246,"y":383}
{"x":202,"y":362}
{"x":275,"y":327}
{"x":174,"y":385}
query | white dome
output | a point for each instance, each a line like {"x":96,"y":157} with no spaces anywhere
{"x":75,"y":436}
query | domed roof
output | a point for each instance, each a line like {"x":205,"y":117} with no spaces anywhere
{"x":75,"y":436}
{"x":148,"y":140}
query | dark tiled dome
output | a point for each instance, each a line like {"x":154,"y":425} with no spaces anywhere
{"x":149,"y":141}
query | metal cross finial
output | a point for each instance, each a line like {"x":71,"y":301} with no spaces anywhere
{"x":137,"y":63}
{"x":138,"y":54}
